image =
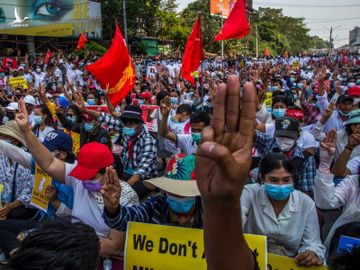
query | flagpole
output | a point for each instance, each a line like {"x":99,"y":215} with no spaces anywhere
{"x":125,"y":22}
{"x":202,"y":71}
{"x":222,"y":41}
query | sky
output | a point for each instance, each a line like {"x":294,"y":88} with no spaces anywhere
{"x":343,"y":17}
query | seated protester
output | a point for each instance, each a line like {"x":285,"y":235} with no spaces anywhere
{"x":72,"y":112}
{"x":351,"y":127}
{"x":156,"y":115}
{"x":345,"y":260}
{"x":274,"y":208}
{"x":342,"y":166}
{"x":328,"y":196}
{"x":17,"y":180}
{"x":60,"y":196}
{"x":10,"y":111}
{"x":178,"y":205}
{"x":43,"y":122}
{"x":188,"y":143}
{"x":30,"y":103}
{"x":138,"y":157}
{"x":285,"y":141}
{"x":92,"y":131}
{"x":59,"y":244}
{"x":178,"y":123}
{"x":92,"y":100}
{"x":86,"y":179}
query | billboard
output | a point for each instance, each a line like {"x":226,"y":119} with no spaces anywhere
{"x":221,"y":7}
{"x":50,"y":18}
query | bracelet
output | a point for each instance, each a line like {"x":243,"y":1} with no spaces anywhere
{"x":349,"y":148}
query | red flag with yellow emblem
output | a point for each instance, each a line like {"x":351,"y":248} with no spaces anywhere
{"x":115,"y":68}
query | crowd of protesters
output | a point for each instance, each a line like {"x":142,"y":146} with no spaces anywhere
{"x":260,"y":146}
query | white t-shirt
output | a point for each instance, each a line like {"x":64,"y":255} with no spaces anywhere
{"x":41,"y":134}
{"x":177,"y":128}
{"x":186,"y":144}
{"x":353,"y":165}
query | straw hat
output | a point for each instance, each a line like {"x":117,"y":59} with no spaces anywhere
{"x":12,"y":129}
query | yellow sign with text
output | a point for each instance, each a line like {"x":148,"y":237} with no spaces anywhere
{"x":159,"y":247}
{"x":16,"y":81}
{"x":296,"y":65}
{"x":268,"y":99}
{"x":276,"y":262}
{"x":38,"y":196}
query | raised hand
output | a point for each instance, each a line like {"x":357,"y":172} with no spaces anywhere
{"x":111,"y":190}
{"x":223,"y":160}
{"x":329,"y":143}
{"x":22,"y":117}
{"x":166,"y":106}
{"x":354,"y":140}
{"x":80,"y":102}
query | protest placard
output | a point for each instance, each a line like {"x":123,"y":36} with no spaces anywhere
{"x":276,"y":262}
{"x":15,"y":81}
{"x":42,"y":181}
{"x":150,"y":246}
{"x":152,"y":125}
{"x":347,"y":243}
{"x":268,"y":100}
{"x":296,"y":65}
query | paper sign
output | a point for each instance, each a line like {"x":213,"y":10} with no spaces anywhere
{"x":150,"y":246}
{"x":296,"y":65}
{"x":1,"y":189}
{"x":15,"y":81}
{"x":347,"y":243}
{"x":152,"y":125}
{"x":38,"y":197}
{"x":268,"y":100}
{"x":276,"y":262}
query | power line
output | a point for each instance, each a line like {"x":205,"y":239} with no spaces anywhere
{"x":306,"y":6}
{"x":332,"y":20}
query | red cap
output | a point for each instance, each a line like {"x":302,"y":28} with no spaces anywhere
{"x":293,"y":113}
{"x":354,"y":91}
{"x":146,"y":95}
{"x":92,"y":158}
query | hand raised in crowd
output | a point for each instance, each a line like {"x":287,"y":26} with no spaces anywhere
{"x":166,"y":106}
{"x":308,"y":258}
{"x":111,"y":190}
{"x":80,"y":103}
{"x":354,"y":140}
{"x":22,"y":117}
{"x":328,"y":112}
{"x":329,"y":143}
{"x":222,"y":165}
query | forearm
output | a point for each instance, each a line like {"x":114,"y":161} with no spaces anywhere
{"x":15,"y":204}
{"x":92,"y":113}
{"x":134,"y":179}
{"x":163,"y":125}
{"x":339,"y":168}
{"x":229,"y":249}
{"x":56,"y":203}
{"x":16,"y":154}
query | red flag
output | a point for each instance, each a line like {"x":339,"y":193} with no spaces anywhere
{"x":115,"y":68}
{"x":267,"y":52}
{"x":236,"y":25}
{"x":193,"y":53}
{"x":286,"y":55}
{"x":48,"y":55}
{"x":81,"y":42}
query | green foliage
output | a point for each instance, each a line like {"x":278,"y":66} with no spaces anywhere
{"x":91,"y":46}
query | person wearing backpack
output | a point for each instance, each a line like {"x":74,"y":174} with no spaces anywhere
{"x":287,"y":131}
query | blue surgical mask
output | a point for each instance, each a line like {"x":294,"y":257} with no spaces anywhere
{"x":92,"y":185}
{"x":180,"y":205}
{"x":299,"y":85}
{"x":196,"y":136}
{"x":274,"y":88}
{"x":72,"y":119}
{"x":279,"y":192}
{"x":292,"y":79}
{"x":91,"y":102}
{"x":174,"y":100}
{"x":38,"y":119}
{"x":278,"y":113}
{"x":140,"y":102}
{"x":358,"y":82}
{"x":128,"y":131}
{"x":89,"y":127}
{"x":295,"y":97}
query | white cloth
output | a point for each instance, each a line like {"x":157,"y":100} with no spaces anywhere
{"x":176,"y":128}
{"x":41,"y":134}
{"x":39,"y":78}
{"x":334,"y":122}
{"x":186,"y":144}
{"x":296,"y":227}
{"x":263,"y":116}
{"x":353,"y":165}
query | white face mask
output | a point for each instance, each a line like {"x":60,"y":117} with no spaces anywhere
{"x":285,"y":144}
{"x":38,"y":70}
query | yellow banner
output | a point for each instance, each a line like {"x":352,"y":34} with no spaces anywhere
{"x":42,"y":181}
{"x":15,"y":81}
{"x":268,"y":99}
{"x":296,"y":65}
{"x":150,"y":246}
{"x":50,"y":30}
{"x":276,"y":262}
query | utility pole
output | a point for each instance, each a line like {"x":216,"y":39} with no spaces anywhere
{"x":222,"y":42}
{"x":331,"y":39}
{"x":125,"y":22}
{"x":257,"y":42}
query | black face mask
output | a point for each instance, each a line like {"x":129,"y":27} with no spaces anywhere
{"x":10,"y":115}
